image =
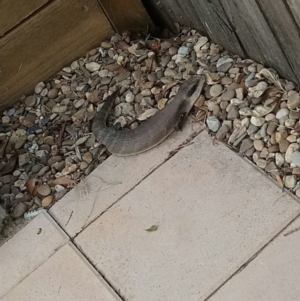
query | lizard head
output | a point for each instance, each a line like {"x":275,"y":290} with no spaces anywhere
{"x":190,"y":91}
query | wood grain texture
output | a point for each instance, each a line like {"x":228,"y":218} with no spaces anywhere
{"x":294,"y":6}
{"x":285,"y":30}
{"x":13,"y":12}
{"x":48,"y":41}
{"x":211,"y":14}
{"x":256,"y":35}
{"x":127,"y":15}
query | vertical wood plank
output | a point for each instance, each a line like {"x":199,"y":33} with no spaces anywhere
{"x":13,"y":12}
{"x":256,"y":35}
{"x":211,"y":14}
{"x":285,"y":29}
{"x":61,"y":32}
{"x":294,"y":6}
{"x":127,"y":15}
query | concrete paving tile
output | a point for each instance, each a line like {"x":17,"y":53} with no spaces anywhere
{"x":273,"y":275}
{"x":29,"y":248}
{"x":112,"y":179}
{"x":65,"y":276}
{"x":213,"y":211}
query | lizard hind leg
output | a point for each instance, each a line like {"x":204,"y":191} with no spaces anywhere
{"x":179,"y":124}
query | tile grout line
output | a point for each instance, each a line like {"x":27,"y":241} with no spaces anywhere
{"x":171,"y":154}
{"x":26,"y":276}
{"x":244,"y":265}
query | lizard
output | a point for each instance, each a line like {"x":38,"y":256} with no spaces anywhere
{"x":153,"y":131}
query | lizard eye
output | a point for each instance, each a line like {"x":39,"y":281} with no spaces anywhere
{"x":192,"y":89}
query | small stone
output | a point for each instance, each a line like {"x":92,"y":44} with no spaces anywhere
{"x":20,"y":142}
{"x":52,"y":93}
{"x":224,"y":64}
{"x":213,"y":123}
{"x":54,"y":159}
{"x":226,"y":81}
{"x":290,"y":86}
{"x":59,"y":109}
{"x":291,"y":138}
{"x":19,"y":210}
{"x":41,"y":155}
{"x":215,"y":90}
{"x":296,"y":171}
{"x":201,"y":42}
{"x":298,"y":193}
{"x":30,"y":101}
{"x":47,"y":201}
{"x":261,"y":163}
{"x":291,"y":149}
{"x":239,"y":93}
{"x":290,"y":181}
{"x":295,"y":158}
{"x":271,"y":128}
{"x":279,"y":159}
{"x":79,"y":103}
{"x":221,"y":134}
{"x":249,"y":152}
{"x":87,"y":157}
{"x":92,"y":67}
{"x":183,"y":51}
{"x":252,"y":129}
{"x":106,"y":45}
{"x":59,"y":166}
{"x":245,"y":145}
{"x":122,"y":76}
{"x":282,"y":113}
{"x":283,"y":146}
{"x":258,"y":145}
{"x":44,"y":190}
{"x":173,"y":50}
{"x":233,"y":112}
{"x":29,"y":120}
{"x":170,"y":72}
{"x":43,"y":171}
{"x":24,"y":159}
{"x":129,"y":97}
{"x":70,"y":168}
{"x":270,"y":117}
{"x":39,"y":88}
{"x":293,"y":100}
{"x":257,"y":121}
{"x":264,"y":153}
{"x":272,"y":168}
{"x":273,"y":148}
{"x":228,"y":95}
{"x":49,"y":140}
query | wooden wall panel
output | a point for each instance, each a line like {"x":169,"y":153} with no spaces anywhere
{"x":285,"y":29}
{"x":12,"y":12}
{"x":256,"y":35}
{"x":264,"y":30}
{"x":41,"y":46}
{"x":294,"y":6}
{"x":127,"y":15}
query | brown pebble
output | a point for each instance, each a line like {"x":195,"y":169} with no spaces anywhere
{"x":283,"y":146}
{"x":273,"y":148}
{"x":47,"y":201}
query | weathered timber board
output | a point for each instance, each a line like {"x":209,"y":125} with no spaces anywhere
{"x":37,"y":49}
{"x":211,"y":15}
{"x":256,"y":35}
{"x":127,"y":15}
{"x":294,"y":6}
{"x":12,"y":12}
{"x":285,"y":30}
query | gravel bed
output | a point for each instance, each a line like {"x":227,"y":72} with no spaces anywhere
{"x":46,"y":143}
